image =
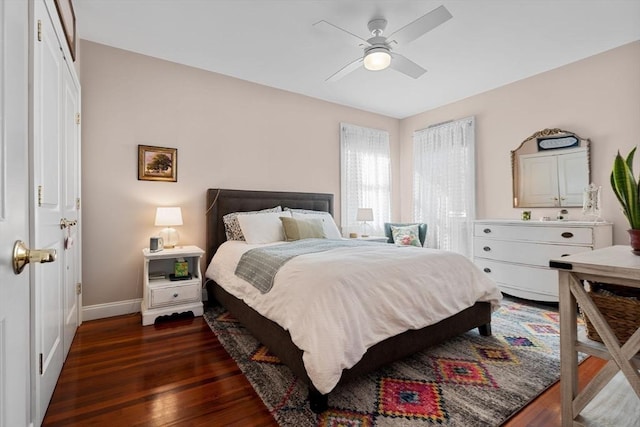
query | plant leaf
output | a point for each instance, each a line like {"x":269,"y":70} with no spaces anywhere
{"x":629,"y":160}
{"x":626,"y":188}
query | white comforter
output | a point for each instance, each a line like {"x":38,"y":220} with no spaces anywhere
{"x":336,"y":304}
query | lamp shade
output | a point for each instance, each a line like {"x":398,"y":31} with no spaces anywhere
{"x":168,"y":217}
{"x":364,"y":214}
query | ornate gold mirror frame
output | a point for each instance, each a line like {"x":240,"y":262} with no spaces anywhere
{"x":549,"y":144}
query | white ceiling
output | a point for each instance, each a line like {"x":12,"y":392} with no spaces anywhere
{"x":487,"y":43}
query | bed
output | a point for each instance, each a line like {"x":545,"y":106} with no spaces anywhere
{"x":279,"y":341}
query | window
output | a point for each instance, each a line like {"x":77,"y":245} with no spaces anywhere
{"x":365,"y":168}
{"x":444,"y":184}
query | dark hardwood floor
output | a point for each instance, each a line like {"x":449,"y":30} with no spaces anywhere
{"x":119,"y":373}
{"x":178,"y":374}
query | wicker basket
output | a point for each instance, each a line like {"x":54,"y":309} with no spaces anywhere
{"x":620,"y":307}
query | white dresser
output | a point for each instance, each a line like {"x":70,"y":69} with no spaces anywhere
{"x":516,"y":254}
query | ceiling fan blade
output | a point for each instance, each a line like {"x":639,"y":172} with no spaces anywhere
{"x":350,"y":67}
{"x":334,"y":30}
{"x":420,"y":26}
{"x":406,"y":66}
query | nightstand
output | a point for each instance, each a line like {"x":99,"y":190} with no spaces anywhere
{"x":163,"y":296}
{"x":381,"y":239}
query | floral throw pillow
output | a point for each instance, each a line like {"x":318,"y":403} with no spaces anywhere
{"x":405,"y":235}
{"x":232,"y":226}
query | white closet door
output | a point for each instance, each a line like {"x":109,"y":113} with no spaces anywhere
{"x":538,"y":181}
{"x":55,"y":166}
{"x":573,"y":177}
{"x":47,"y":207}
{"x":71,"y":204}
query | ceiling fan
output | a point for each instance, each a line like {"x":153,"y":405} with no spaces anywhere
{"x":378,"y":53}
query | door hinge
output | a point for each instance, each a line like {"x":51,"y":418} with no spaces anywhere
{"x":39,"y":30}
{"x":77,"y":118}
{"x":39,"y":195}
{"x":78,"y":203}
{"x":78,"y":288}
{"x":40,"y":362}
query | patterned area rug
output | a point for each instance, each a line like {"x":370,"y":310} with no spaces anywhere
{"x":467,"y":381}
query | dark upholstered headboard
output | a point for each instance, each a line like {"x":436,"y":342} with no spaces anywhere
{"x":221,"y":202}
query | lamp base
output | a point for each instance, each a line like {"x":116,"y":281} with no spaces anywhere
{"x":170,"y":237}
{"x":365,"y":232}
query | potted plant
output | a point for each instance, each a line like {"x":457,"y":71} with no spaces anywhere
{"x":627,"y":190}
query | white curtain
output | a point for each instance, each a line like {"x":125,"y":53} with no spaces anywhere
{"x":444,"y":184}
{"x":365,"y":164}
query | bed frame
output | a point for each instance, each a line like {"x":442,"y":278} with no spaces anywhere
{"x":221,"y":202}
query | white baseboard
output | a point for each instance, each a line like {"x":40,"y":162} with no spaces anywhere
{"x":100,"y":311}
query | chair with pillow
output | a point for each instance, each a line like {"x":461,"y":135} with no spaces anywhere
{"x":406,"y":233}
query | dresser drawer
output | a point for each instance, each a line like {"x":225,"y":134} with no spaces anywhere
{"x":531,"y":253}
{"x":552,"y":234}
{"x":170,"y":295}
{"x":513,"y":278}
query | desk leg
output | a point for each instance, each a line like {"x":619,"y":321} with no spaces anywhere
{"x":568,"y":354}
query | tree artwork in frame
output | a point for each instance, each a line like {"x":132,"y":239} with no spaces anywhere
{"x":157,"y":163}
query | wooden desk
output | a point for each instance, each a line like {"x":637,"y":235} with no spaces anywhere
{"x":616,"y":401}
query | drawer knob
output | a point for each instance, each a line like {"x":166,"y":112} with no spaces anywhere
{"x":487,"y":270}
{"x":175,"y":295}
{"x":567,"y":234}
{"x":487,"y":230}
{"x":486,"y":249}
{"x":563,"y":255}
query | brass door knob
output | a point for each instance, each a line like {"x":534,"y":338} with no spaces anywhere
{"x":23,"y":256}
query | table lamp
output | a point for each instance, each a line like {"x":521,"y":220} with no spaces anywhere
{"x":169,"y":217}
{"x":364,"y":215}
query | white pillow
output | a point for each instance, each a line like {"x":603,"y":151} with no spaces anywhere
{"x":232,"y":227}
{"x":329,"y":226}
{"x":262,"y":227}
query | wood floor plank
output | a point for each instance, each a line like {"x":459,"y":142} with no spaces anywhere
{"x":545,"y":410}
{"x":178,"y":374}
{"x":121,"y":373}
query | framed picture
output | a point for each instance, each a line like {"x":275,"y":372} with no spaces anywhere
{"x":157,"y":163}
{"x":68,"y":19}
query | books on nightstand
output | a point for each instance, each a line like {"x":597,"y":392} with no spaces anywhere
{"x":173,"y":277}
{"x":181,"y":268}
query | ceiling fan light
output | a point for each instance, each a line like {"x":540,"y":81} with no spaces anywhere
{"x":377,"y":59}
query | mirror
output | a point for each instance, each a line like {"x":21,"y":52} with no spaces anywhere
{"x":550,"y":169}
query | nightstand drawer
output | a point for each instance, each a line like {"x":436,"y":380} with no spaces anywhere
{"x":379,"y":239}
{"x":175,"y":294}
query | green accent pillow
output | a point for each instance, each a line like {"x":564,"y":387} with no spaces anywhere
{"x":422,"y":230}
{"x":296,"y":229}
{"x":406,"y":235}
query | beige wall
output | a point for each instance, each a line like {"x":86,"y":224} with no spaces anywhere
{"x":234,"y":134}
{"x":597,"y":98}
{"x":229,"y":134}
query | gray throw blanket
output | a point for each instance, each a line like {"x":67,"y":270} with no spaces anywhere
{"x":259,"y":266}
